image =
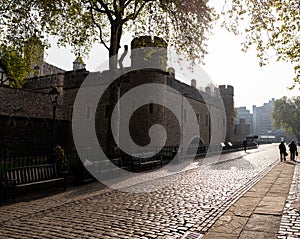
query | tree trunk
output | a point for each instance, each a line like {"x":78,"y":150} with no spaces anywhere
{"x":115,"y":38}
{"x":116,"y":33}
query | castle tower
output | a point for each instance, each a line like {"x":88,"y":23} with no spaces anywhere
{"x":78,"y":64}
{"x":227,"y":94}
{"x":152,"y":53}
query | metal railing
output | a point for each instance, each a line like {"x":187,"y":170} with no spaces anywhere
{"x":9,"y":160}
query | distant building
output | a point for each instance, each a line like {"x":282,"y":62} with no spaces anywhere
{"x":43,"y":69}
{"x":241,"y":130}
{"x":262,"y":118}
{"x":259,"y":123}
{"x":243,"y":113}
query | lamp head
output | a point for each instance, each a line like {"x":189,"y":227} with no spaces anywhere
{"x":54,"y":93}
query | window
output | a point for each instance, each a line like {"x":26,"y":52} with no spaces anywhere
{"x":206,"y":120}
{"x":151,"y":107}
{"x":198,"y":117}
{"x":184,"y":115}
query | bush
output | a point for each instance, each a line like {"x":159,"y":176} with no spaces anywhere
{"x":61,"y":159}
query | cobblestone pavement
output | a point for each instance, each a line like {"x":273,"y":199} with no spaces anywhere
{"x":290,"y":222}
{"x":191,"y":201}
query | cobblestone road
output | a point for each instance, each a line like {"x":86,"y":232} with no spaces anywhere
{"x":290,"y":222}
{"x":191,"y":201}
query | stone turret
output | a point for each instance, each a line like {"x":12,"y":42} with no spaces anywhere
{"x":227,"y":94}
{"x":78,"y":64}
{"x":152,"y":53}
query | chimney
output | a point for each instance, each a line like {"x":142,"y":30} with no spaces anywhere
{"x":194,"y":83}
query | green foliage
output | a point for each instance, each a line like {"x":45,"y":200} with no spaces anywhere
{"x":17,"y":68}
{"x":19,"y":60}
{"x":80,"y":23}
{"x":286,"y":114}
{"x":21,"y":37}
{"x":270,"y":26}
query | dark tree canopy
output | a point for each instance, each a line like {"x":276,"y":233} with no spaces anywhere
{"x":184,"y":24}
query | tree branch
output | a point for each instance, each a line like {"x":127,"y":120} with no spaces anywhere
{"x":134,"y":15}
{"x":108,"y":12}
{"x":115,"y":6}
{"x":100,"y":29}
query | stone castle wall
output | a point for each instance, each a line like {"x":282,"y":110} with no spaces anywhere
{"x":26,"y":103}
{"x":32,"y":135}
{"x":69,"y":79}
{"x":33,"y":102}
{"x":227,"y":94}
{"x":26,"y":121}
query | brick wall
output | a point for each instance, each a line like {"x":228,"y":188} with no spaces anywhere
{"x":28,"y":135}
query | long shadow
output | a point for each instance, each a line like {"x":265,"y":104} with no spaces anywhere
{"x":291,"y":162}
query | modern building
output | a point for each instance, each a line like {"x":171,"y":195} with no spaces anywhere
{"x":262,"y":118}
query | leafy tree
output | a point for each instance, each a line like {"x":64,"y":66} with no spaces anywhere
{"x":19,"y":61}
{"x":267,"y":25}
{"x":17,"y":69}
{"x":21,"y":38}
{"x":184,"y":24}
{"x":286,"y":114}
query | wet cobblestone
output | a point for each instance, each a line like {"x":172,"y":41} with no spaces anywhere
{"x":191,"y":201}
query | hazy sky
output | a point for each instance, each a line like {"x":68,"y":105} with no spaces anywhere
{"x":226,"y":64}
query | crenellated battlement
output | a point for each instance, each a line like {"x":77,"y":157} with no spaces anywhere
{"x":69,"y":79}
{"x":226,"y":90}
{"x":149,"y":52}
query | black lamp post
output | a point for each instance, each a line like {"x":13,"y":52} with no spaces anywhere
{"x":54,"y":97}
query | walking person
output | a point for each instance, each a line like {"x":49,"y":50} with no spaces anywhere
{"x":282,"y":150}
{"x":293,"y":150}
{"x":245,"y":144}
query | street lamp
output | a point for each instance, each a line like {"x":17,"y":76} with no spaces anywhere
{"x":54,"y":97}
{"x":183,"y":118}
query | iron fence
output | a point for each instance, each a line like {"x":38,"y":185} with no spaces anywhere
{"x":73,"y":160}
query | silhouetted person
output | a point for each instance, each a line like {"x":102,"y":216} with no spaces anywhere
{"x":282,"y":150}
{"x":245,"y":144}
{"x":293,"y":149}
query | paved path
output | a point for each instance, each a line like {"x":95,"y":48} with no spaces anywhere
{"x":191,"y":201}
{"x":257,"y":214}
